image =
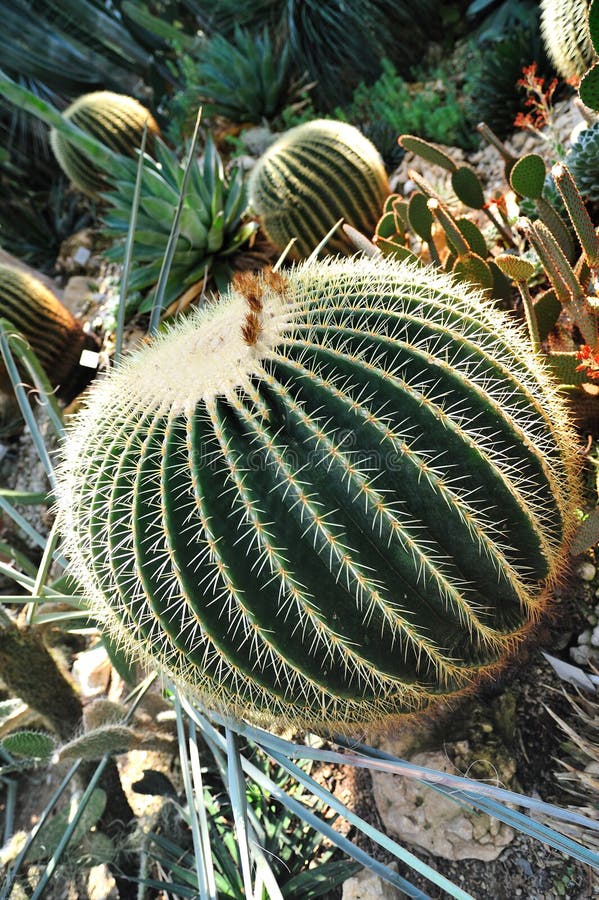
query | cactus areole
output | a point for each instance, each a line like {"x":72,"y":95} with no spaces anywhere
{"x":335,"y":495}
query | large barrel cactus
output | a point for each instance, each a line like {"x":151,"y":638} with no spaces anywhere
{"x":312,"y":176}
{"x":49,"y":327}
{"x":114,"y":119}
{"x":566,"y":36}
{"x":333,"y":496}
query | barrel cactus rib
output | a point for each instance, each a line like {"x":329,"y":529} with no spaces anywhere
{"x":294,"y":597}
{"x":233,"y":539}
{"x":54,"y":334}
{"x":480,"y":558}
{"x":342,"y":667}
{"x":388,"y":519}
{"x":482,"y":349}
{"x":515,"y":459}
{"x":323,"y":530}
{"x":437,"y":352}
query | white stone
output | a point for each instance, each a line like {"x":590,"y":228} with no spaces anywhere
{"x":368,"y":886}
{"x":581,"y":655}
{"x":420,"y":816}
{"x":82,"y":254}
{"x":584,"y":637}
{"x":586,"y":571}
{"x":595,"y":636}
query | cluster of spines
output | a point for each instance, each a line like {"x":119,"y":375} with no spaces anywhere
{"x":277,"y":573}
{"x":49,"y":327}
{"x":114,"y":119}
{"x":314,"y":175}
{"x":566,"y":36}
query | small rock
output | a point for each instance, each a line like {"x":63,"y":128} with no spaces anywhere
{"x":368,"y":886}
{"x":81,"y":256}
{"x":100,"y":884}
{"x":595,"y":636}
{"x":584,"y":637}
{"x":581,"y":655}
{"x":586,"y":571}
{"x":423,"y":817}
{"x":76,"y":296}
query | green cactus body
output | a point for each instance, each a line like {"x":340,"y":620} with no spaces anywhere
{"x":314,"y":175}
{"x":566,"y":36}
{"x":49,"y":327}
{"x":325,"y":500}
{"x":116,"y":120}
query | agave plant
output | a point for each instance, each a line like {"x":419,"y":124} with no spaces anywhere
{"x":338,"y":44}
{"x":243,"y":79}
{"x":212,"y":224}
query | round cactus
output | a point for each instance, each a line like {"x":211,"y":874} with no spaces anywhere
{"x":115,"y":119}
{"x":583,"y":162}
{"x":565,"y":31}
{"x":53,"y":332}
{"x":328,"y":499}
{"x":312,"y":176}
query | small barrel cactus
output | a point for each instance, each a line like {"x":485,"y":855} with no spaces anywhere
{"x":53,"y":332}
{"x":566,"y":36}
{"x":312,"y":176}
{"x":328,"y":499}
{"x":583,"y":162}
{"x":115,"y":119}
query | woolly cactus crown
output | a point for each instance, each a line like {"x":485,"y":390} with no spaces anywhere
{"x":115,"y":119}
{"x":312,"y":176}
{"x":327,"y":499}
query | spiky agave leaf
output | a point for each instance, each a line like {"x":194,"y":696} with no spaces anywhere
{"x":326,"y":499}
{"x":212,"y":221}
{"x":244,"y":79}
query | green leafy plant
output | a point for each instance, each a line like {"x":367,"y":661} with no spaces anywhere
{"x":212,"y":227}
{"x":36,"y":218}
{"x":337,"y":44}
{"x":312,"y":176}
{"x":552,"y":240}
{"x":113,"y":119}
{"x":304,"y":864}
{"x":244,"y":79}
{"x":494,"y":74}
{"x":431,"y":106}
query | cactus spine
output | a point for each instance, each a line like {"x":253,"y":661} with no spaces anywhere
{"x":50,"y":328}
{"x":326,"y":500}
{"x":566,"y":36}
{"x":115,"y":119}
{"x":314,"y":175}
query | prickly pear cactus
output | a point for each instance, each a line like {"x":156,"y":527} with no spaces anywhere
{"x":314,"y":175}
{"x":326,"y":500}
{"x":50,"y":328}
{"x":566,"y":36}
{"x":116,"y":120}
